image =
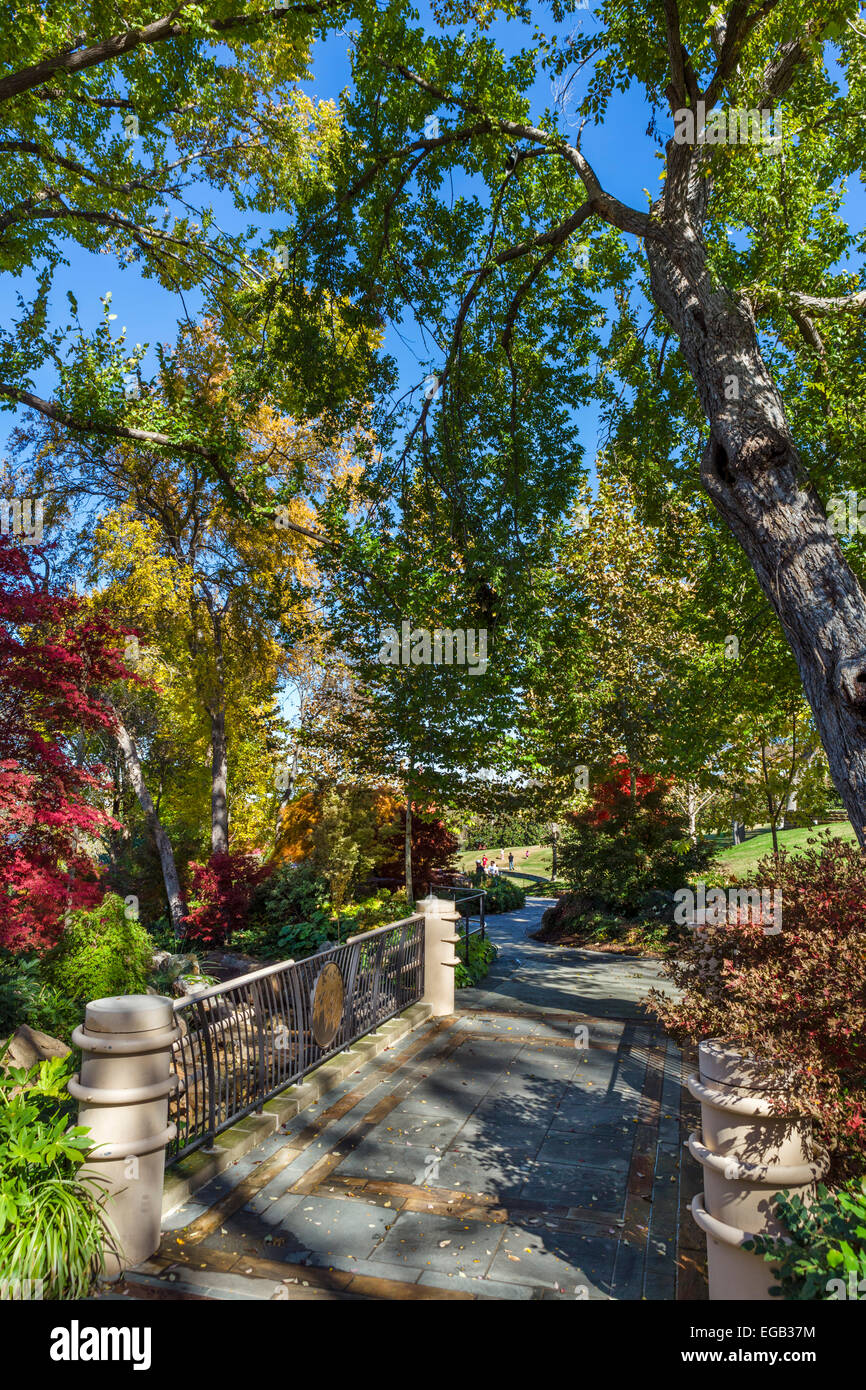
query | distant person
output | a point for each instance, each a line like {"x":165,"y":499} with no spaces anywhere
{"x":478,"y":866}
{"x":494,"y":869}
{"x":484,"y":863}
{"x":511,"y":859}
{"x":526,"y":854}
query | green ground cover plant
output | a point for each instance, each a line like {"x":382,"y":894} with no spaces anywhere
{"x":52,"y":1226}
{"x":824,"y":1255}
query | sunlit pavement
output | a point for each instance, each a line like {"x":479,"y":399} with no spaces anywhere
{"x":530,"y":1147}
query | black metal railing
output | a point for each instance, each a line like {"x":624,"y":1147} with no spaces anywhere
{"x":469,"y":904}
{"x":245,"y":1041}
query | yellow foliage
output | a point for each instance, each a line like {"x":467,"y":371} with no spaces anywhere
{"x":297,"y":821}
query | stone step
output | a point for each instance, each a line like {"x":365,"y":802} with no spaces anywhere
{"x":198,"y":1168}
{"x":180,"y":1281}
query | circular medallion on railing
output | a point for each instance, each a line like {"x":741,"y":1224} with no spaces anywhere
{"x":328,"y":1005}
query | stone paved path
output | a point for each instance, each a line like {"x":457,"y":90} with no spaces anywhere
{"x":501,"y":1153}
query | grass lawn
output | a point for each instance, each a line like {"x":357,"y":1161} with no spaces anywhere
{"x":540,"y":859}
{"x":738,"y":860}
{"x":741,"y":859}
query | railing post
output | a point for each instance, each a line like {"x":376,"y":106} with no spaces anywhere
{"x":440,"y":960}
{"x":122,"y":1092}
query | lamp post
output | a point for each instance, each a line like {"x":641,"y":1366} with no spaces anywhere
{"x":554,"y":835}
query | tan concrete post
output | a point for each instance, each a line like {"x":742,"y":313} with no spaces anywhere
{"x":440,"y":960}
{"x":122,"y":1093}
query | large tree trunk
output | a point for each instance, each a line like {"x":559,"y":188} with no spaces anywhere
{"x":219,"y":837}
{"x":132,"y":763}
{"x":407,"y":852}
{"x":754,"y":476}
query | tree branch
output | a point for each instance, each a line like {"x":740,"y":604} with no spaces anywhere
{"x":738,"y":26}
{"x":815,"y":306}
{"x":677,"y":90}
{"x":607,"y":207}
{"x":189,"y":449}
{"x":69,"y":62}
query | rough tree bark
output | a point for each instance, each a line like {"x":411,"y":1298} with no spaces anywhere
{"x":219,"y":838}
{"x":132,"y":763}
{"x":407,"y":839}
{"x":216,"y":708}
{"x":754,"y":476}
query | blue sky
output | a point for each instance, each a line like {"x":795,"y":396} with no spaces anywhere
{"x":151,"y":314}
{"x":619,"y":149}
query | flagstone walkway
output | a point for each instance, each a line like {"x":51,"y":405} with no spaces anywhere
{"x":529,"y":1147}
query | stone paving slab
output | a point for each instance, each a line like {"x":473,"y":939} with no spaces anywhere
{"x":528,"y":1148}
{"x":447,"y":1244}
{"x":565,"y":1263}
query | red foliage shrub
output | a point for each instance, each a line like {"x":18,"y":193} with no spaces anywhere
{"x":433,"y":848}
{"x":55,"y":666}
{"x":620,"y":848}
{"x":608,"y":797}
{"x":797,"y":999}
{"x":219,"y":896}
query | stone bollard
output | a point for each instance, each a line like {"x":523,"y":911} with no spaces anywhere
{"x":440,"y":960}
{"x":748,"y":1153}
{"x":122,"y":1093}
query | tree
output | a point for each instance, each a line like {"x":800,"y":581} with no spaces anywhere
{"x":526,"y":256}
{"x":57,"y":666}
{"x":112,"y":136}
{"x":409,"y":712}
{"x":344,"y":841}
{"x":211,"y":595}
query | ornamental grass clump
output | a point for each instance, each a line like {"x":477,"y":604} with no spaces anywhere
{"x":795,"y":999}
{"x":54,"y":1232}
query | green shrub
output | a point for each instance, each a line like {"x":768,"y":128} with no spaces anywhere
{"x":102,"y":952}
{"x":482,"y":954}
{"x":570,"y":920}
{"x":825,"y":1255}
{"x":298,"y":939}
{"x":500,"y":894}
{"x":25,"y":997}
{"x":622,"y":847}
{"x":292,"y":895}
{"x":52,"y":1226}
{"x":290,"y":917}
{"x":376,"y":911}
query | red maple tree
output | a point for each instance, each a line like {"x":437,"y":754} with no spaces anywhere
{"x":56,"y":661}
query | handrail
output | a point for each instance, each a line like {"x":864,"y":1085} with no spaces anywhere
{"x":236,"y":980}
{"x":389,"y":926}
{"x":467,"y":896}
{"x":247,"y":1039}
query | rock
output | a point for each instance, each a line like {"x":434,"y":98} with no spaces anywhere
{"x":164,"y":963}
{"x":187,"y":985}
{"x":225,"y":965}
{"x":28,"y":1046}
